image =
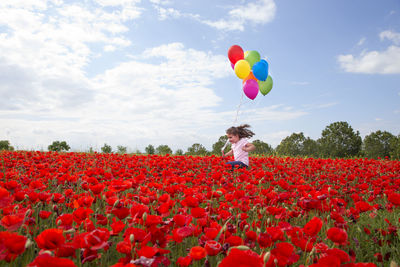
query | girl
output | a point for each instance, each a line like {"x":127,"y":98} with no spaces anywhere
{"x":237,"y":136}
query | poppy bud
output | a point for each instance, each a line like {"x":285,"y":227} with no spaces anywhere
{"x":28,"y":243}
{"x":28,"y":213}
{"x":266,"y":257}
{"x":144,"y":217}
{"x":69,"y":231}
{"x":116,"y":203}
{"x":241,"y":247}
{"x":132,"y":238}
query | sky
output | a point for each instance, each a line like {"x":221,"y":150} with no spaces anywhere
{"x":134,"y":73}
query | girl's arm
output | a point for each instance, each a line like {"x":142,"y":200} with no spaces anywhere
{"x":249,"y":147}
{"x":230,"y":153}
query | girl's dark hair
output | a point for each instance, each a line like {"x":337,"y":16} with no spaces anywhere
{"x":240,"y":131}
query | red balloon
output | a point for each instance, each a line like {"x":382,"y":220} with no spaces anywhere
{"x":235,"y":53}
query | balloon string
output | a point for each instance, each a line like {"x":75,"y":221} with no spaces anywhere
{"x":235,"y":120}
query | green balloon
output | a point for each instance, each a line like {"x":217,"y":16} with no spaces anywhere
{"x":265,"y":86}
{"x":252,"y":57}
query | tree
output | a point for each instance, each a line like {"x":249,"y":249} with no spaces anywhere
{"x":197,"y":149}
{"x":179,"y":152}
{"x":292,"y":145}
{"x":163,"y":150}
{"x":395,"y":154}
{"x":5,"y":145}
{"x":58,"y":146}
{"x":262,"y":148}
{"x":150,"y":149}
{"x":122,"y":149}
{"x":310,"y":148}
{"x":339,"y":140}
{"x":216,"y":148}
{"x":378,"y":144}
{"x":106,"y":148}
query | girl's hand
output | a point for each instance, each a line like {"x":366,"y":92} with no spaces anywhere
{"x":223,"y":154}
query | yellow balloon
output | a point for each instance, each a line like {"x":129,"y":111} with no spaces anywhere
{"x":242,"y":68}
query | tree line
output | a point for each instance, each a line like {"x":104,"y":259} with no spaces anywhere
{"x":338,"y":140}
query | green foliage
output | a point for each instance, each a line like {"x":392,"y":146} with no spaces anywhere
{"x":150,"y":150}
{"x":297,"y":145}
{"x":197,"y":149}
{"x":59,"y":146}
{"x":338,"y":140}
{"x":106,"y":148}
{"x":5,"y":145}
{"x":122,"y":149}
{"x":378,"y":144}
{"x":262,"y":148}
{"x":163,"y":150}
{"x":179,"y":152}
{"x":216,"y":148}
{"x":395,"y":153}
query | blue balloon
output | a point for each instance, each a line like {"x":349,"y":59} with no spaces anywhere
{"x":260,"y":70}
{"x":264,"y":61}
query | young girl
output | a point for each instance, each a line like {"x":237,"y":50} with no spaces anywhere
{"x":237,"y":136}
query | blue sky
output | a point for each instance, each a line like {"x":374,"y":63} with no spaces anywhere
{"x":133,"y":73}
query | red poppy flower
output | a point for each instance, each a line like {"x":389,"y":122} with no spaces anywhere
{"x":276,"y":233}
{"x":81,"y":214}
{"x":394,"y":198}
{"x":313,"y":227}
{"x":362,"y":206}
{"x":44,"y":214}
{"x":212,"y":247}
{"x":264,"y":240}
{"x":153,"y":220}
{"x":182,"y":220}
{"x":184,"y":261}
{"x":234,"y":241}
{"x":340,"y":254}
{"x":45,"y":260}
{"x":5,"y":198}
{"x":337,"y":235}
{"x":50,"y":239}
{"x":121,"y":213}
{"x":124,"y":247}
{"x":12,"y":222}
{"x":329,"y":260}
{"x":198,"y":212}
{"x":11,"y":245}
{"x":242,"y":258}
{"x":197,"y":253}
{"x":117,"y":227}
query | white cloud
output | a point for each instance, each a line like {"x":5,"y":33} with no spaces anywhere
{"x":258,"y":12}
{"x":361,"y":42}
{"x":382,"y":62}
{"x":165,"y":13}
{"x":390,"y":35}
{"x":237,"y":18}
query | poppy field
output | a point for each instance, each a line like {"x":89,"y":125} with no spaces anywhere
{"x":92,"y":209}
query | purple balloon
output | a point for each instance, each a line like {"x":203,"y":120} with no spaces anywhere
{"x":250,"y":88}
{"x":233,"y":66}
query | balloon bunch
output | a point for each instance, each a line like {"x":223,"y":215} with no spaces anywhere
{"x":252,"y":69}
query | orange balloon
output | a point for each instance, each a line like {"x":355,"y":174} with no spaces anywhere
{"x":250,"y":76}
